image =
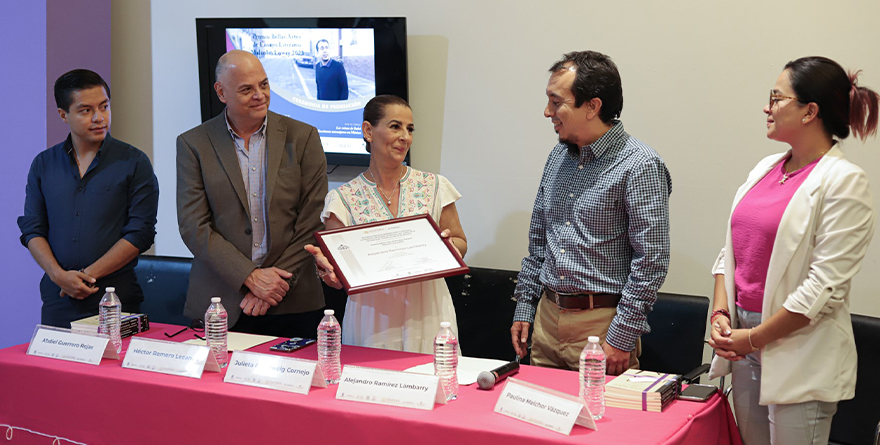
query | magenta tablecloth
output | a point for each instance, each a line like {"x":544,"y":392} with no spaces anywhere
{"x":107,"y":404}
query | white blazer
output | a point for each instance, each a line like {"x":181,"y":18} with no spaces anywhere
{"x":822,"y":239}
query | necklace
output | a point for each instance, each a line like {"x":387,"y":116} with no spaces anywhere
{"x":787,"y":175}
{"x":375,"y":179}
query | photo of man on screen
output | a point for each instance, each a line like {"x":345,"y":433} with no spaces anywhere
{"x":330,"y":75}
{"x":326,"y":89}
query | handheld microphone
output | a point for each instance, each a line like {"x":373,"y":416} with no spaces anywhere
{"x":488,"y":379}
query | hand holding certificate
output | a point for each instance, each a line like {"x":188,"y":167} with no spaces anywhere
{"x":389,"y":253}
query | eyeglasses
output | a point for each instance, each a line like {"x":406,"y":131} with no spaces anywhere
{"x":197,"y":325}
{"x":776,"y":97}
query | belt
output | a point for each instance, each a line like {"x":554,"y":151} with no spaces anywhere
{"x":582,"y":301}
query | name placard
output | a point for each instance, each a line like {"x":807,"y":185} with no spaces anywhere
{"x":544,"y":407}
{"x":394,"y":388}
{"x":168,"y":357}
{"x":61,"y":344}
{"x":274,"y":372}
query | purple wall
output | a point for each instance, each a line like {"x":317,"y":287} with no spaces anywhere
{"x":23,"y":33}
{"x":77,"y":36}
{"x":34,"y":56}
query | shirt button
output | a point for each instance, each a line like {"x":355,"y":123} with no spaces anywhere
{"x":248,"y":231}
{"x":580,"y":167}
{"x":568,"y":223}
{"x":571,"y":195}
{"x":255,"y":194}
{"x":253,"y":169}
{"x":79,"y":189}
{"x":562,"y":277}
{"x":256,"y":244}
{"x":255,"y":219}
{"x":561,"y":250}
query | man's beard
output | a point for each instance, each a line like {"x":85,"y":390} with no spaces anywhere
{"x":573,"y":148}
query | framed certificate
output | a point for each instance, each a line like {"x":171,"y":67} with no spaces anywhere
{"x":389,"y":253}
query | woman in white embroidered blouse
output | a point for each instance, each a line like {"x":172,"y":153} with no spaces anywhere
{"x":403,"y":317}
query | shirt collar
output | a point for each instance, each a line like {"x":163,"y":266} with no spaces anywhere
{"x":68,"y":146}
{"x":608,"y":140}
{"x":232,"y":132}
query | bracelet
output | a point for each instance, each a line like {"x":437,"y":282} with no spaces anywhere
{"x":750,"y":340}
{"x":723,"y":312}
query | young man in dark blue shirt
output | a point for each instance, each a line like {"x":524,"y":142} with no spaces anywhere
{"x":90,"y":207}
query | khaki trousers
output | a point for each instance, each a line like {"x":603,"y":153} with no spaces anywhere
{"x":561,"y":334}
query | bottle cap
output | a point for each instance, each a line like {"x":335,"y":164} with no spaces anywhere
{"x":445,"y":324}
{"x":110,"y":289}
{"x":215,"y":299}
{"x":593,"y":339}
{"x":329,"y":312}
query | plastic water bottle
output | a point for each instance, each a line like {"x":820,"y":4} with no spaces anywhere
{"x":329,"y":347}
{"x":109,"y":317}
{"x":446,"y":360}
{"x":216,"y":327}
{"x":592,"y":377}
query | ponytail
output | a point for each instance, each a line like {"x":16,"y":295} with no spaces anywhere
{"x":862,"y":109}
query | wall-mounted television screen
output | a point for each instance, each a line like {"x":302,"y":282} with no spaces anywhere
{"x":322,"y":71}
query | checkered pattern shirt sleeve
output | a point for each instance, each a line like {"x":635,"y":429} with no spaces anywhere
{"x":600,"y":224}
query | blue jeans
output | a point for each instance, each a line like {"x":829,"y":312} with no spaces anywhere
{"x":796,"y":423}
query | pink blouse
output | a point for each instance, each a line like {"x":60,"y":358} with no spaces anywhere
{"x":754,"y":224}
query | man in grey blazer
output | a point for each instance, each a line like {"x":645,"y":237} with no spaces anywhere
{"x":250,"y":189}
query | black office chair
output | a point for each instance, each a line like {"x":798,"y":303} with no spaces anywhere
{"x":678,"y":326}
{"x":484,"y":310}
{"x":164,"y":281}
{"x":857,"y":421}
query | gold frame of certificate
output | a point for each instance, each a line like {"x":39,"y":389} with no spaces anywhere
{"x":389,"y":253}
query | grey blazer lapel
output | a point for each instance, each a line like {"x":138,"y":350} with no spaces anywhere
{"x":222,"y":143}
{"x":275,"y":137}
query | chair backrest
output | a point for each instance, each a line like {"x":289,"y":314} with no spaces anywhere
{"x":483,"y":307}
{"x":678,"y":326}
{"x":857,"y":419}
{"x":484,"y":310}
{"x":164,"y":281}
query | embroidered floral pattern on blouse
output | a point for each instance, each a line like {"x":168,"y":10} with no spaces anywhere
{"x":418,"y":193}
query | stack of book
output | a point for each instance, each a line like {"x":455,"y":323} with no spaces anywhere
{"x":129,"y":325}
{"x":642,"y":390}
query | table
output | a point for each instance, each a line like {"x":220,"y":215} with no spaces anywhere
{"x":107,"y":404}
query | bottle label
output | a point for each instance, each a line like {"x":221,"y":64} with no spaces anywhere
{"x":386,"y":387}
{"x":544,"y":407}
{"x":274,"y":372}
{"x":62,"y":344}
{"x":168,"y":357}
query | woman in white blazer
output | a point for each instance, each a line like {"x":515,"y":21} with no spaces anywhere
{"x":799,"y":228}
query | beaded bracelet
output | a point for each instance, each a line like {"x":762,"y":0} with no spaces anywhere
{"x":723,"y":312}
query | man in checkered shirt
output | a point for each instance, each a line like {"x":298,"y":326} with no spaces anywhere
{"x":599,"y":234}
